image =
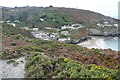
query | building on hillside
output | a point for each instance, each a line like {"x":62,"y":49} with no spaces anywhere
{"x":67,"y":27}
{"x":76,"y":25}
{"x":17,"y":21}
{"x":65,"y":32}
{"x":116,"y":25}
{"x":24,"y":27}
{"x":35,"y":29}
{"x":107,"y":24}
{"x":55,"y":29}
{"x":41,"y":35}
{"x":12,"y":24}
{"x":63,"y":27}
{"x":41,"y":19}
{"x":63,"y":39}
{"x":48,"y":28}
{"x":8,"y":21}
{"x":100,"y":25}
{"x":54,"y":35}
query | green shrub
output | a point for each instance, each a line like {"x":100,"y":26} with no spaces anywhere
{"x":65,"y":68}
{"x":13,"y":43}
{"x":11,"y":61}
{"x":63,"y":36}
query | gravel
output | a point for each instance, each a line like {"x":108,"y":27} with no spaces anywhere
{"x":12,"y":71}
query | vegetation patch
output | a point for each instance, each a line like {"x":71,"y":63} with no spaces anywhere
{"x":40,"y":66}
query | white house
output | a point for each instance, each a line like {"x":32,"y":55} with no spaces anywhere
{"x":65,"y":32}
{"x":17,"y":21}
{"x":116,"y":25}
{"x":8,"y":21}
{"x":63,"y":39}
{"x":41,"y":35}
{"x":24,"y":27}
{"x":76,"y":25}
{"x":35,"y":29}
{"x":54,"y":35}
{"x":41,"y":19}
{"x":69,"y":27}
{"x":63,"y":27}
{"x":100,"y":25}
{"x":48,"y":28}
{"x":55,"y":29}
{"x":12,"y":24}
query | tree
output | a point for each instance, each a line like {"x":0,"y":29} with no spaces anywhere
{"x":50,"y":6}
{"x":16,"y":7}
{"x":12,"y":18}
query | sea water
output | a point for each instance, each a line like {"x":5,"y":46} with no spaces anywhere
{"x":112,"y":44}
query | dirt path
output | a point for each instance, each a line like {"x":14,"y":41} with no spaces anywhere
{"x":11,"y":71}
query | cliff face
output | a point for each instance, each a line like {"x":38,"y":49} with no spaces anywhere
{"x":95,"y":32}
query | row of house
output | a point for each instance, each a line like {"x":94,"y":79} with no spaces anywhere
{"x":106,"y":24}
{"x":49,"y":28}
{"x":49,"y":36}
{"x":73,"y":26}
{"x":27,"y":28}
{"x":41,"y":35}
{"x":63,"y":39}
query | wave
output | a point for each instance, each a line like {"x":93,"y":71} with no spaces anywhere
{"x":107,"y":44}
{"x":101,"y":43}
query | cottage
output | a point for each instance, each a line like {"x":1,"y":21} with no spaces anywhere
{"x":17,"y":21}
{"x":107,"y":24}
{"x":48,"y":28}
{"x":54,"y":35}
{"x":63,"y":39}
{"x":24,"y":27}
{"x":69,"y":27}
{"x":41,"y":19}
{"x":65,"y":32}
{"x":8,"y":21}
{"x":116,"y":25}
{"x":76,"y":25}
{"x":63,"y":27}
{"x":12,"y":24}
{"x":55,"y":29}
{"x":41,"y":35}
{"x":100,"y":25}
{"x":35,"y":29}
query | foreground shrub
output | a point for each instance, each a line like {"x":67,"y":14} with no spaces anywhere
{"x":40,"y":66}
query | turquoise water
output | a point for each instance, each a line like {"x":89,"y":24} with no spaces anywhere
{"x":112,"y":44}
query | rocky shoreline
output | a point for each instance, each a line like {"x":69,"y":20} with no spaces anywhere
{"x":95,"y":32}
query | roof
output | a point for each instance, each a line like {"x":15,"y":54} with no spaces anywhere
{"x":65,"y":31}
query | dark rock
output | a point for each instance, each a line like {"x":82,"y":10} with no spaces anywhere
{"x":95,"y":32}
{"x":84,"y":39}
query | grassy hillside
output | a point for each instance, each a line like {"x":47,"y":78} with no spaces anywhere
{"x":52,"y":59}
{"x":8,"y":30}
{"x":53,"y":17}
{"x":13,"y":37}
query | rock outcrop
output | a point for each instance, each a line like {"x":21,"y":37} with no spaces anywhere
{"x":95,"y":32}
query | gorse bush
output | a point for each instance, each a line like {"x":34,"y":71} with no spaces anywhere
{"x":52,"y":59}
{"x":40,"y":66}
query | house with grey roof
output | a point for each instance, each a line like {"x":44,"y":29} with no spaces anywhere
{"x":65,"y":32}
